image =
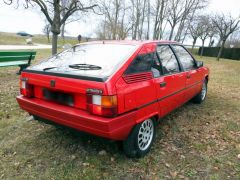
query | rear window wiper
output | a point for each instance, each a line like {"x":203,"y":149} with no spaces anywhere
{"x":85,"y":67}
{"x":48,"y":68}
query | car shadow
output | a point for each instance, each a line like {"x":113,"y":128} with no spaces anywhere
{"x":80,"y":140}
{"x":75,"y":141}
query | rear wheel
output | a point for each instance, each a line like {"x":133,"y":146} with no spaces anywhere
{"x":200,"y":97}
{"x":35,"y":117}
{"x":140,"y":139}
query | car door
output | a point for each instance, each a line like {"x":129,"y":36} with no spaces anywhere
{"x":193,"y":77}
{"x":171,"y":83}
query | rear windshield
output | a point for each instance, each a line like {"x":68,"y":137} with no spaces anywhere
{"x":94,"y":60}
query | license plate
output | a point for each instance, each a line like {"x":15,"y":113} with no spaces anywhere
{"x":59,"y":97}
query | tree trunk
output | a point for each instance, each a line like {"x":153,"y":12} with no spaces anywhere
{"x":160,"y":33}
{"x":202,"y":47}
{"x":179,"y":31}
{"x":55,"y":27}
{"x":158,"y":29}
{"x":210,"y":42}
{"x":148,"y":21}
{"x":142,"y":20}
{"x":48,"y":37}
{"x":156,"y":20}
{"x":194,"y":42}
{"x":54,"y":43}
{"x":220,"y":50}
{"x":219,"y":43}
{"x":171,"y":33}
{"x":184,"y":36}
{"x":63,"y":32}
{"x":115,"y":20}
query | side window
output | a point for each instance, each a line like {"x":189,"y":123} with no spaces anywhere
{"x":184,"y":57}
{"x":145,"y":63}
{"x":168,"y":59}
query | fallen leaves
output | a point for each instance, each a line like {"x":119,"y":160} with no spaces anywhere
{"x":173,"y":174}
{"x":102,"y":152}
{"x":238,"y":156}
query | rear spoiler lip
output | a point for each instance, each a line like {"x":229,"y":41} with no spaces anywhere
{"x":89,"y":78}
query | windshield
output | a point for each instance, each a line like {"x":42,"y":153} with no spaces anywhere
{"x":87,"y":60}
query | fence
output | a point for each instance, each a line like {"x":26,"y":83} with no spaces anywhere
{"x":228,"y":53}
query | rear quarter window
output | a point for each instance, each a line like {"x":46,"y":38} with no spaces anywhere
{"x":145,"y":63}
{"x":142,"y":63}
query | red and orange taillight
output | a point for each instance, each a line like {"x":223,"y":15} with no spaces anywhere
{"x":102,"y":105}
{"x":26,"y":89}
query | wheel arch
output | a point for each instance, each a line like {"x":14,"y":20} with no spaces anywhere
{"x":206,"y":78}
{"x":155,"y":116}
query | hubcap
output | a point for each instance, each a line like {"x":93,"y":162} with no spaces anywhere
{"x":204,"y":91}
{"x":145,"y":134}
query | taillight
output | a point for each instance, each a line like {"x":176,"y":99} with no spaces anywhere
{"x":102,"y":105}
{"x":26,"y":89}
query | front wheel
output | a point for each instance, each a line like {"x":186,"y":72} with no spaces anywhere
{"x":140,"y":140}
{"x":200,"y":97}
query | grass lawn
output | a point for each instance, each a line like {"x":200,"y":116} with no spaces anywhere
{"x":13,"y":39}
{"x":195,"y":141}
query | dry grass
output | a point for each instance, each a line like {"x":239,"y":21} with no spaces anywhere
{"x":195,"y":141}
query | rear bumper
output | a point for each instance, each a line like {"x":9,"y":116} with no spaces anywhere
{"x":116,"y":128}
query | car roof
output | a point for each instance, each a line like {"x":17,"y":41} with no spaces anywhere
{"x":132,"y":42}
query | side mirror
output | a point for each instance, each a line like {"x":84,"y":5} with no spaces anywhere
{"x":199,"y":64}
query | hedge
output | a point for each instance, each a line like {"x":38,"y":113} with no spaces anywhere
{"x":228,"y":53}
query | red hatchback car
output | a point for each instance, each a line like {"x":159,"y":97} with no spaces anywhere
{"x":114,"y":89}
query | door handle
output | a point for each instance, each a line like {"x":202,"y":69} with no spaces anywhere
{"x":163,"y":84}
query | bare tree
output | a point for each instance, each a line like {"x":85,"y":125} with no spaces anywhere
{"x":194,"y":29}
{"x":137,"y":18}
{"x":47,"y":30}
{"x":142,"y":20}
{"x":190,"y":7}
{"x":204,"y":29}
{"x":136,"y":13}
{"x":234,"y":40}
{"x":175,"y":11}
{"x":225,"y":26}
{"x":114,"y":25}
{"x":179,"y":11}
{"x":212,"y":33}
{"x":52,"y":10}
{"x":159,"y":11}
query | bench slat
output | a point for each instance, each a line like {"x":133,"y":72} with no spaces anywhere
{"x":17,"y":53}
{"x":14,"y":63}
{"x":14,"y":58}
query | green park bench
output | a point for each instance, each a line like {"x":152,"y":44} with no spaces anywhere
{"x":16,"y":58}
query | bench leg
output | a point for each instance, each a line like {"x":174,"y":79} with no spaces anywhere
{"x":22,"y":67}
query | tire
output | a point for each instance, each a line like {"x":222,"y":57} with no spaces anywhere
{"x":35,"y":117}
{"x":140,"y":140}
{"x":200,"y":97}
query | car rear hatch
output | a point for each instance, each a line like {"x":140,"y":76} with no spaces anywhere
{"x":62,"y":90}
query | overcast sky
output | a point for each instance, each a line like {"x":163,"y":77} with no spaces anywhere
{"x":14,"y":20}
